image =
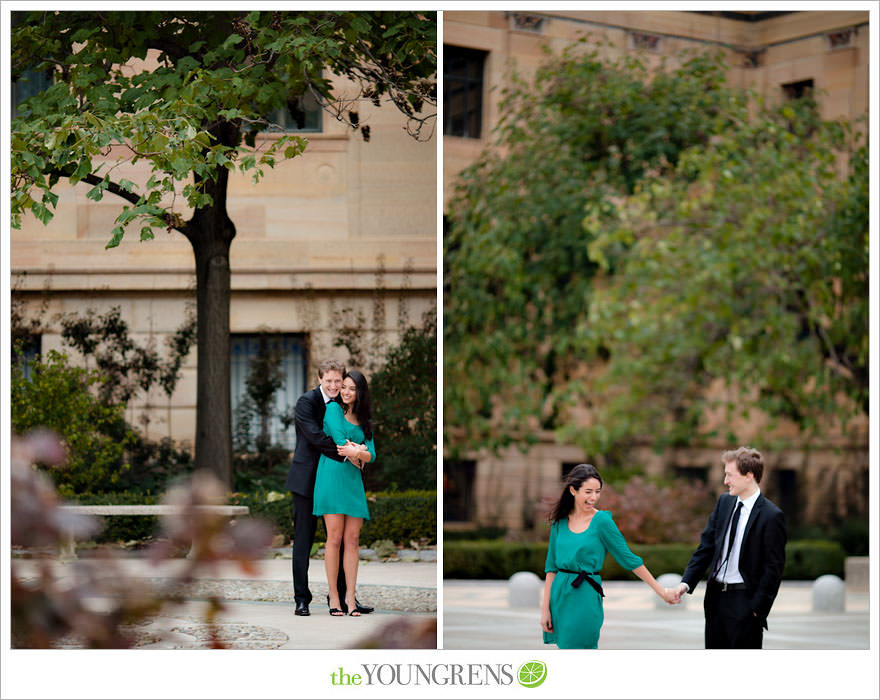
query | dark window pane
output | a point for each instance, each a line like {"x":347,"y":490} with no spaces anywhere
{"x":303,"y":114}
{"x":31,"y":83}
{"x":243,"y":349}
{"x":458,"y":490}
{"x":463,"y":91}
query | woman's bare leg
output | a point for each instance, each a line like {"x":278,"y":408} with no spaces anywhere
{"x":335,"y":524}
{"x":351,"y":536}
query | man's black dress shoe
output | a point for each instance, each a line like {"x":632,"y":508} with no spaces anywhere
{"x":301,"y":609}
{"x":362,"y":609}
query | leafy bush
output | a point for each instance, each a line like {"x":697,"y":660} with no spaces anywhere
{"x":853,"y":537}
{"x":60,"y":397}
{"x":404,"y":394}
{"x":154,"y":464}
{"x":260,"y":471}
{"x":809,"y":559}
{"x":852,"y":534}
{"x":497,"y":559}
{"x":648,"y":512}
{"x":488,"y":532}
{"x":400,"y":517}
{"x":122,"y":528}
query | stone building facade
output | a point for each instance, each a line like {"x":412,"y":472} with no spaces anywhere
{"x":343,"y":234}
{"x":779,"y":54}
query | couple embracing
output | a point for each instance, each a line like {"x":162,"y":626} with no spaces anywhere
{"x":334,"y":440}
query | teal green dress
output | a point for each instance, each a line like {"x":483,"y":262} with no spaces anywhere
{"x":576,"y":613}
{"x":339,"y":486}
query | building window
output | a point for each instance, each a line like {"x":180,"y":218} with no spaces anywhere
{"x":28,"y":351}
{"x":458,"y":490}
{"x":463,"y":91}
{"x":641,"y":40}
{"x":524,"y":22}
{"x":797,"y":90}
{"x":841,"y":39}
{"x":692,"y":474}
{"x":785,"y":490}
{"x":31,"y":82}
{"x":566,"y":467}
{"x":753,"y":58}
{"x":302,"y":115}
{"x":245,"y":349}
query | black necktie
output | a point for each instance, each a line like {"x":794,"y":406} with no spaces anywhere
{"x":733,"y":523}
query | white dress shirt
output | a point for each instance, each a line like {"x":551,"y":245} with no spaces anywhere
{"x":729,"y":572}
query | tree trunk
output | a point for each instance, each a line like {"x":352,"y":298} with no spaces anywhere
{"x":213,"y":410}
{"x":210,"y":232}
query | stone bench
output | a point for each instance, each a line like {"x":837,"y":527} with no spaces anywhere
{"x":67,"y":550}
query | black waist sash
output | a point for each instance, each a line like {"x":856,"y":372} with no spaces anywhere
{"x":585,"y":576}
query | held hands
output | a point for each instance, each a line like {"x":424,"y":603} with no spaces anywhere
{"x":673,"y":595}
{"x":668,"y":595}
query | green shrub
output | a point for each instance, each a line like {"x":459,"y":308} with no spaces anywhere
{"x":400,"y":517}
{"x":809,"y":559}
{"x":404,"y":394}
{"x":654,"y":512}
{"x":853,"y":537}
{"x":852,"y":534}
{"x":497,"y":559}
{"x":492,"y":558}
{"x":274,"y":506}
{"x":260,"y":471}
{"x":122,"y":528}
{"x":59,"y":397}
{"x":487,"y":532}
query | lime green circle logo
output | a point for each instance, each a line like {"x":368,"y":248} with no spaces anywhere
{"x":531,"y":674}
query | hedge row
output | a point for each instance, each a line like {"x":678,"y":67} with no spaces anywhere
{"x":123,"y":528}
{"x":399,"y":517}
{"x":497,"y":559}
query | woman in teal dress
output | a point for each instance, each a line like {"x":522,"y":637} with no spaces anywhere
{"x":339,"y":486}
{"x":580,"y":537}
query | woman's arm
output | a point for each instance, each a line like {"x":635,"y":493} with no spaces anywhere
{"x":668,"y":595}
{"x":546,"y":620}
{"x":368,"y":453}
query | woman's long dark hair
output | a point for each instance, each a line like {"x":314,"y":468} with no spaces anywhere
{"x":576,"y":477}
{"x":361,"y":409}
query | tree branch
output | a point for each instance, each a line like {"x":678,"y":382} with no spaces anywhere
{"x":172,"y":220}
{"x":93,"y":179}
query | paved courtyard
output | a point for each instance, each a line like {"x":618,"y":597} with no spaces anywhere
{"x":476,"y":615}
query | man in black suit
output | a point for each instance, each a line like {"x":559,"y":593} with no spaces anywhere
{"x":311,"y":443}
{"x":743,"y":546}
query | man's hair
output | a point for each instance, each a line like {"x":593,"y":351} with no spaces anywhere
{"x":747,"y":459}
{"x":328,"y":365}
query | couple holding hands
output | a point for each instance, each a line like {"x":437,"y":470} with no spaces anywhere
{"x":334,"y":440}
{"x":742,"y":546}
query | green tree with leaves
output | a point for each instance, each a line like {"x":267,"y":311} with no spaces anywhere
{"x":740,"y":282}
{"x":519,"y":276}
{"x":188,"y":92}
{"x":635,"y":240}
{"x":55,"y":396}
{"x":404,"y":395}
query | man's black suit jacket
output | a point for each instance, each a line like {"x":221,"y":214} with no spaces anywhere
{"x":761,"y":557}
{"x":311,"y":443}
